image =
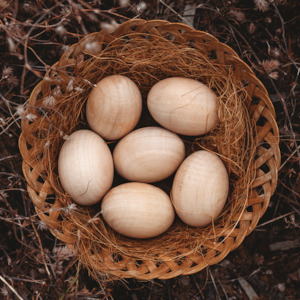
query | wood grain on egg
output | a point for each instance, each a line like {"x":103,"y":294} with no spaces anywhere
{"x":114,"y":107}
{"x":148,"y":154}
{"x":138,"y":210}
{"x":200,"y":188}
{"x":85,"y":167}
{"x":183,"y":105}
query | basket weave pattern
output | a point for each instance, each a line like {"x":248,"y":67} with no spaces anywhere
{"x":49,"y":205}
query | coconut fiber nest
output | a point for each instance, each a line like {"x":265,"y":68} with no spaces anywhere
{"x":246,"y":139}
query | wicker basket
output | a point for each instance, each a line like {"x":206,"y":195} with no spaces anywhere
{"x":266,"y":161}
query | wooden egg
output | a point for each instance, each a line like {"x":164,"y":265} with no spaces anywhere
{"x":148,"y":154}
{"x":183,"y":105}
{"x":114,"y":107}
{"x":85,"y":167}
{"x":138,"y":210}
{"x":200,"y":188}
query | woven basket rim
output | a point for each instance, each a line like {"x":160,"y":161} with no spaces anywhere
{"x":37,"y":190}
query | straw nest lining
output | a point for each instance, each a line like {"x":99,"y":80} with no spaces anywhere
{"x":146,"y":58}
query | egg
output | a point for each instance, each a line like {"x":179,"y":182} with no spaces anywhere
{"x":114,"y":107}
{"x":183,"y":105}
{"x":85,"y":167}
{"x":148,"y":154}
{"x":138,"y":210}
{"x":200,"y":188}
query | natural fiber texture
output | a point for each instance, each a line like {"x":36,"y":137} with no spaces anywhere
{"x":246,"y":139}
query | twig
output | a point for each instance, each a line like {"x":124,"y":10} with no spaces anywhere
{"x":176,"y":13}
{"x":11,"y":288}
{"x":294,"y":208}
{"x":26,"y":64}
{"x":8,"y":220}
{"x":283,"y":35}
{"x":197,"y":285}
{"x":290,"y":156}
{"x":291,"y":190}
{"x":214,"y":283}
{"x":62,"y":20}
{"x":6,"y":254}
{"x":12,"y":123}
{"x":251,"y":294}
{"x":291,"y":202}
{"x":273,"y":220}
{"x":285,"y":245}
{"x":7,"y":102}
{"x":14,"y":224}
{"x":9,"y":157}
{"x":26,"y":280}
{"x":42,"y":249}
{"x":224,"y":292}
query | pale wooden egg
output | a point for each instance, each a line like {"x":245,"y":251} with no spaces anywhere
{"x":183,"y":105}
{"x":200,"y":188}
{"x":85,"y":167}
{"x":148,"y":154}
{"x":138,"y":210}
{"x":114,"y":107}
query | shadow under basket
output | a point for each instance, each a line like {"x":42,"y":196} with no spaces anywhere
{"x":246,"y":139}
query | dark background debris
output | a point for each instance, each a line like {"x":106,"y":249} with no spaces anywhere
{"x":33,"y":36}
